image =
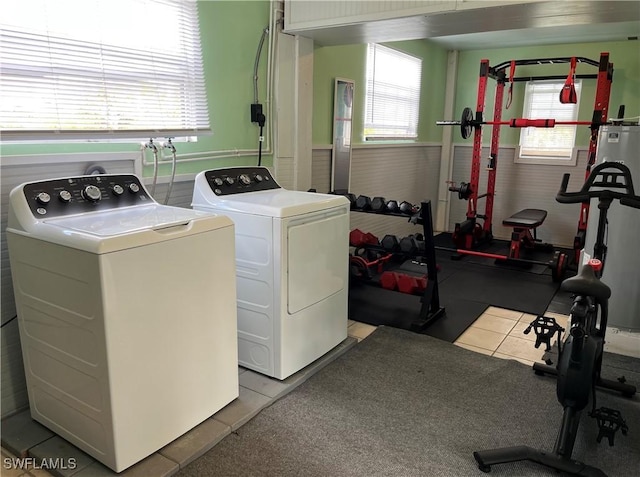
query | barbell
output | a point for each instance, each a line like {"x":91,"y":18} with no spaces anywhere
{"x":467,"y":123}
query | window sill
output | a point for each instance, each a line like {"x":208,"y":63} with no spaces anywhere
{"x":379,"y":140}
{"x":547,"y":160}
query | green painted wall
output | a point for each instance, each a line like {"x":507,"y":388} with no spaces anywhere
{"x":229,"y":81}
{"x":328,"y":63}
{"x":625,"y":88}
{"x":350,"y":62}
{"x":230,"y":33}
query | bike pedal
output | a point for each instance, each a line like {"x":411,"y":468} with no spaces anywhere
{"x":609,"y":422}
{"x":544,"y":327}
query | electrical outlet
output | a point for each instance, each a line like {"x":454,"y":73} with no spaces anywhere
{"x":256,"y":110}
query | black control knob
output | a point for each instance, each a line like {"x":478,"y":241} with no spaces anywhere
{"x":245,"y":179}
{"x":134,"y":188}
{"x":117,"y":189}
{"x":64,"y":196}
{"x":43,"y":198}
{"x":258,"y":178}
{"x":229,"y":180}
{"x":217,"y":181}
{"x":92,"y":193}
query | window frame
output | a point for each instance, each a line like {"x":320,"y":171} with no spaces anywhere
{"x":77,"y":74}
{"x":548,"y":159}
{"x":413,"y":94}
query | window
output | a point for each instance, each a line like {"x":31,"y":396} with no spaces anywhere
{"x":96,"y":69}
{"x":548,"y":145}
{"x":392,"y":95}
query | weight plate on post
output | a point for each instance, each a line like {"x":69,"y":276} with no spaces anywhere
{"x":464,"y":192}
{"x":466,"y":123}
{"x":558,"y":265}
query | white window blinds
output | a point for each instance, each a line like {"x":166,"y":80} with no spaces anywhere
{"x":92,"y":69}
{"x":392,"y":100}
{"x":542,"y":101}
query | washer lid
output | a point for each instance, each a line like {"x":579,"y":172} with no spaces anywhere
{"x":123,"y":228}
{"x":271,"y":203}
{"x":126,"y":221}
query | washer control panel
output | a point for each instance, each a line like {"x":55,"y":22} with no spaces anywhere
{"x":238,"y":180}
{"x":75,"y":195}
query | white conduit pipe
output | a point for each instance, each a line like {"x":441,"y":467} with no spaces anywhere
{"x":223,"y":154}
{"x":211,"y":155}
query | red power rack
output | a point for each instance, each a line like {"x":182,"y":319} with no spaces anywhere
{"x":470,"y":233}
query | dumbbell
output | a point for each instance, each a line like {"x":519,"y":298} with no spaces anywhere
{"x":410,"y":284}
{"x":352,"y":199}
{"x":403,"y":282}
{"x":389,"y":281}
{"x":407,"y":208}
{"x":363,"y":202}
{"x":378,"y":204}
{"x":390,"y":243}
{"x":392,"y":206}
{"x":411,"y":245}
{"x":358,"y":268}
{"x":358,"y":238}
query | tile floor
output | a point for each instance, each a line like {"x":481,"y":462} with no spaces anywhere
{"x":497,"y":332}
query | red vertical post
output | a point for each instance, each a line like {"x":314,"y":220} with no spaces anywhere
{"x":600,"y":112}
{"x":477,"y":141}
{"x":493,"y":157}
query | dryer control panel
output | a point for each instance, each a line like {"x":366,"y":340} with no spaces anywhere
{"x":76,"y":195}
{"x":238,"y":180}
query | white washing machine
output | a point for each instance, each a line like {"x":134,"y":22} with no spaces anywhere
{"x":126,"y":313}
{"x":292,"y":256}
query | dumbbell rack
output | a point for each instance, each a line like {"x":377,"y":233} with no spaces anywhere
{"x":430,"y":309}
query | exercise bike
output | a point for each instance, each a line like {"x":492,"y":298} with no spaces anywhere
{"x":580,"y":356}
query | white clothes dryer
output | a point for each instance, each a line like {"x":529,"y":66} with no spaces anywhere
{"x":126,"y":313}
{"x":292,"y":256}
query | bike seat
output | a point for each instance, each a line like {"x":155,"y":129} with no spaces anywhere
{"x":586,"y":283}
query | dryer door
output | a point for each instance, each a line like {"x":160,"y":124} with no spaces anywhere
{"x":317,"y":257}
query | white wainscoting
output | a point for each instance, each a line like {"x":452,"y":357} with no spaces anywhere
{"x":394,"y":172}
{"x":522,"y":186}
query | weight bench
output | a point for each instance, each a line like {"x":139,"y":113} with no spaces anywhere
{"x":524,"y":225}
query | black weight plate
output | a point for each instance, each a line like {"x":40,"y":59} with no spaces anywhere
{"x":466,"y":123}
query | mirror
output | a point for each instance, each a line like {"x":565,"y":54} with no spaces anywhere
{"x":342,"y":119}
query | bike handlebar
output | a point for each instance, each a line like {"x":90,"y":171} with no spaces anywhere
{"x":602,"y":178}
{"x":631,"y":202}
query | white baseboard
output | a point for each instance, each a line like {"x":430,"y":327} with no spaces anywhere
{"x":622,"y":342}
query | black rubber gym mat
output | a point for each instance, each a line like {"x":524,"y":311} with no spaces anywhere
{"x":465,"y":291}
{"x":504,"y":288}
{"x":377,"y":306}
{"x":501,"y":247}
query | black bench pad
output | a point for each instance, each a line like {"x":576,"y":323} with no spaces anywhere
{"x":528,"y":218}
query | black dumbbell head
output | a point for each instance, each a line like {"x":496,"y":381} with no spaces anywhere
{"x":409,"y":245}
{"x":363,"y":202}
{"x":407,"y":208}
{"x":378,"y":204}
{"x":390,"y":243}
{"x":352,"y":199}
{"x":392,"y":206}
